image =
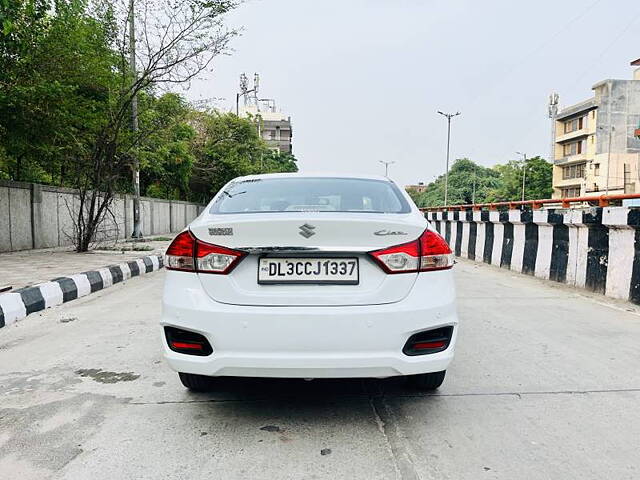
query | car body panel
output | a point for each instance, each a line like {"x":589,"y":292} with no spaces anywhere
{"x":309,"y":331}
{"x":310,"y":342}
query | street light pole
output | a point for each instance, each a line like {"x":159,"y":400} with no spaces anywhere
{"x":524,"y":172}
{"x":386,"y":167}
{"x":446,"y":173}
{"x":137,"y":233}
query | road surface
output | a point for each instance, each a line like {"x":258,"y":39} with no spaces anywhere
{"x":545,"y":385}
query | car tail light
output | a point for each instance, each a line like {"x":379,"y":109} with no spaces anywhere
{"x":188,"y":254}
{"x":429,"y":252}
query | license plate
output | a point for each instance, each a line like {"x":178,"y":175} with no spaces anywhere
{"x":339,"y":271}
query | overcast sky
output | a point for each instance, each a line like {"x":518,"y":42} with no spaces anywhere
{"x":363,"y":79}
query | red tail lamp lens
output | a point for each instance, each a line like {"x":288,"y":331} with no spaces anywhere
{"x":188,"y":254}
{"x":428,"y":252}
{"x":180,"y":253}
{"x":187,"y":342}
{"x":428,"y":345}
{"x":187,"y":346}
{"x":428,"y":341}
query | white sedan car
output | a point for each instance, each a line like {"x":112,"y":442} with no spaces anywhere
{"x":309,"y":276}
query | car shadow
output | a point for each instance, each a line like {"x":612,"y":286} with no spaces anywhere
{"x":246,"y":389}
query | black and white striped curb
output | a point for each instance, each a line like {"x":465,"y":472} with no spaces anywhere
{"x":597,"y":249}
{"x":19,"y":303}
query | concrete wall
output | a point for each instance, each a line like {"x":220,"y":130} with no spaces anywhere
{"x":597,"y":249}
{"x":41,"y":216}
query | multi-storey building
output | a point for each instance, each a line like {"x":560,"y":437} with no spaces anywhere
{"x":273,"y":126}
{"x":595,"y":148}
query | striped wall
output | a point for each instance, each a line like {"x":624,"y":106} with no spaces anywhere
{"x":597,"y":249}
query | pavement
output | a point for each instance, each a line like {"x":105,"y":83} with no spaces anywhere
{"x":545,"y":385}
{"x":30,"y":267}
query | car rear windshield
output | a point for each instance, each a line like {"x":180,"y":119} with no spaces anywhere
{"x":310,"y":195}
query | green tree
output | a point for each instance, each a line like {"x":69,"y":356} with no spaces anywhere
{"x":276,"y":162}
{"x":229,"y":147}
{"x":166,"y":157}
{"x":56,"y":69}
{"x":538,"y":182}
{"x":467,"y":181}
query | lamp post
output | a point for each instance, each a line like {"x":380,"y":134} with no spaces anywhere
{"x":386,"y":167}
{"x":446,"y":173}
{"x":524,"y":171}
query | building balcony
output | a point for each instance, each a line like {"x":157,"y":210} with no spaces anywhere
{"x":565,"y":137}
{"x":581,"y":157}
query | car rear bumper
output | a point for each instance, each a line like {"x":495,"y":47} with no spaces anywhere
{"x":309,"y":342}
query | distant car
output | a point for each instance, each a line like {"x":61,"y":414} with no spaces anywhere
{"x":294,"y":275}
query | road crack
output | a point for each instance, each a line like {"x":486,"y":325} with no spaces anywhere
{"x":518,"y":394}
{"x":390,"y":430}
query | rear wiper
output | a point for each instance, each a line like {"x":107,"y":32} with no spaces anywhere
{"x":231,"y":195}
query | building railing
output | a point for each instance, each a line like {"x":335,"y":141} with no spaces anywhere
{"x":600,"y":201}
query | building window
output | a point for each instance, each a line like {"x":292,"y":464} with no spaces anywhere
{"x":573,"y":171}
{"x":596,"y":169}
{"x":570,"y":192}
{"x":573,"y":148}
{"x":573,"y":125}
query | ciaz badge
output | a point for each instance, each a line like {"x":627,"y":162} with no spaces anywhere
{"x":220,"y":231}
{"x":382,"y":233}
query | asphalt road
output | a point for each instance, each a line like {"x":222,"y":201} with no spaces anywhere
{"x":545,"y":385}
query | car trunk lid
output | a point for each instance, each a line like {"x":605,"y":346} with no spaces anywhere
{"x":317,"y":235}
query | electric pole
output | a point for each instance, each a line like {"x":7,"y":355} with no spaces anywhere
{"x":446,"y":173}
{"x":524,"y":171}
{"x":134,"y":124}
{"x":386,"y":167}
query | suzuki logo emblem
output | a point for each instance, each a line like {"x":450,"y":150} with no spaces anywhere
{"x":306,"y":230}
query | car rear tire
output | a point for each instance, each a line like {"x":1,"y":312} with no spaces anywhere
{"x":196,"y":383}
{"x":427,"y":381}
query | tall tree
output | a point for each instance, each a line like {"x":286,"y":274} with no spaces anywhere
{"x":467,"y":181}
{"x":56,"y":70}
{"x":176,"y":42}
{"x":538,"y":180}
{"x":228,"y":147}
{"x":165,"y":150}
